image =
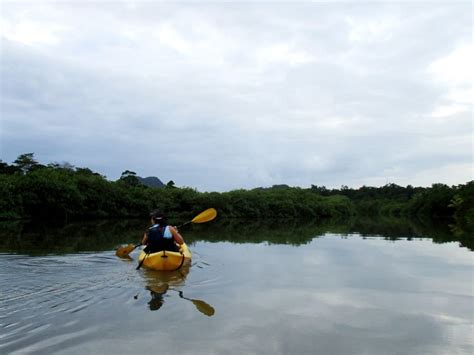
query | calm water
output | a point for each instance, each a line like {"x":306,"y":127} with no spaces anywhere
{"x":259,"y":290}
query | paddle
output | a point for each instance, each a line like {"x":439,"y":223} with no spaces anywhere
{"x":157,"y":293}
{"x":123,"y":252}
{"x":201,"y":306}
{"x":205,"y":216}
{"x":141,"y":262}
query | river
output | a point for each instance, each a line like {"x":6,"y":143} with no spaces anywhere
{"x":251,"y":289}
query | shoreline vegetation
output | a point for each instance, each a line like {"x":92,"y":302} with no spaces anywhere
{"x":62,"y":192}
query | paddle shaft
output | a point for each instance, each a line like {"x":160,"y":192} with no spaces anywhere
{"x":183,"y":224}
{"x":141,"y":262}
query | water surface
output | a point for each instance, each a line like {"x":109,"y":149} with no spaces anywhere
{"x":269,"y":289}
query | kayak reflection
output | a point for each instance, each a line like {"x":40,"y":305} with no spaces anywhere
{"x":158,"y":283}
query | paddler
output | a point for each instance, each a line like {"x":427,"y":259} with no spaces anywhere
{"x":160,"y":236}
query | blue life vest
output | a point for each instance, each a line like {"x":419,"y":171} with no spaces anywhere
{"x":160,"y":238}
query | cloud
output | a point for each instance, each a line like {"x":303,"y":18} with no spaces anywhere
{"x":241,"y":95}
{"x":31,"y":33}
{"x":455,"y":68}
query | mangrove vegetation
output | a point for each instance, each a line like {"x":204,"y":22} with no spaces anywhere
{"x":62,"y":192}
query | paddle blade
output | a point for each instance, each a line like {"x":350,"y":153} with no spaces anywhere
{"x":206,"y":216}
{"x":123,"y":252}
{"x":203,"y":307}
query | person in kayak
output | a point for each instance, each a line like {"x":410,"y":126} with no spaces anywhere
{"x":160,"y":236}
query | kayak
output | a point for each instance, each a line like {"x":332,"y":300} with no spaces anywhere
{"x":166,"y":260}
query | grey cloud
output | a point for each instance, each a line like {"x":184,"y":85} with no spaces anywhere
{"x":356,"y":102}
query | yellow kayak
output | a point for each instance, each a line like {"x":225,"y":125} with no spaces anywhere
{"x":166,"y":260}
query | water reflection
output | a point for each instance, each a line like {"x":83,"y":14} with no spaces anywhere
{"x":41,"y":239}
{"x":201,"y":306}
{"x":160,"y":283}
{"x":331,"y":296}
{"x":30,"y":239}
{"x":157,"y":293}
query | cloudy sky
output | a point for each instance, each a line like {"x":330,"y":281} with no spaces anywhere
{"x":227,"y":95}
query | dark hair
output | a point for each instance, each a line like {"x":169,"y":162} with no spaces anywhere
{"x":159,"y":217}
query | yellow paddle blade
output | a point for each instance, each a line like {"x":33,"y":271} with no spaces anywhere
{"x":205,"y":216}
{"x":123,"y":252}
{"x":203,"y":307}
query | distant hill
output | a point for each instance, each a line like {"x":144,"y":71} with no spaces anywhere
{"x":151,"y":181}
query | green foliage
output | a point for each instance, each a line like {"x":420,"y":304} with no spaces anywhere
{"x":129,"y":178}
{"x":49,"y":193}
{"x":463,"y":205}
{"x":6,"y":169}
{"x":11,"y":204}
{"x":63,"y":192}
{"x":433,"y":203}
{"x":26,"y":163}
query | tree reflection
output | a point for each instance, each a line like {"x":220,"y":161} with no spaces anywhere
{"x":38,"y":239}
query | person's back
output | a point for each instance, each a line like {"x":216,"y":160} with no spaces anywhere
{"x":160,"y":238}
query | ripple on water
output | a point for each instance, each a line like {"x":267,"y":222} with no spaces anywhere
{"x":39,"y":292}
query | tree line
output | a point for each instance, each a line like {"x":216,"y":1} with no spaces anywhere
{"x":30,"y":190}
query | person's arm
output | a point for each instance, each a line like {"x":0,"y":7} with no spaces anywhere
{"x":176,"y":236}
{"x":145,"y":239}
